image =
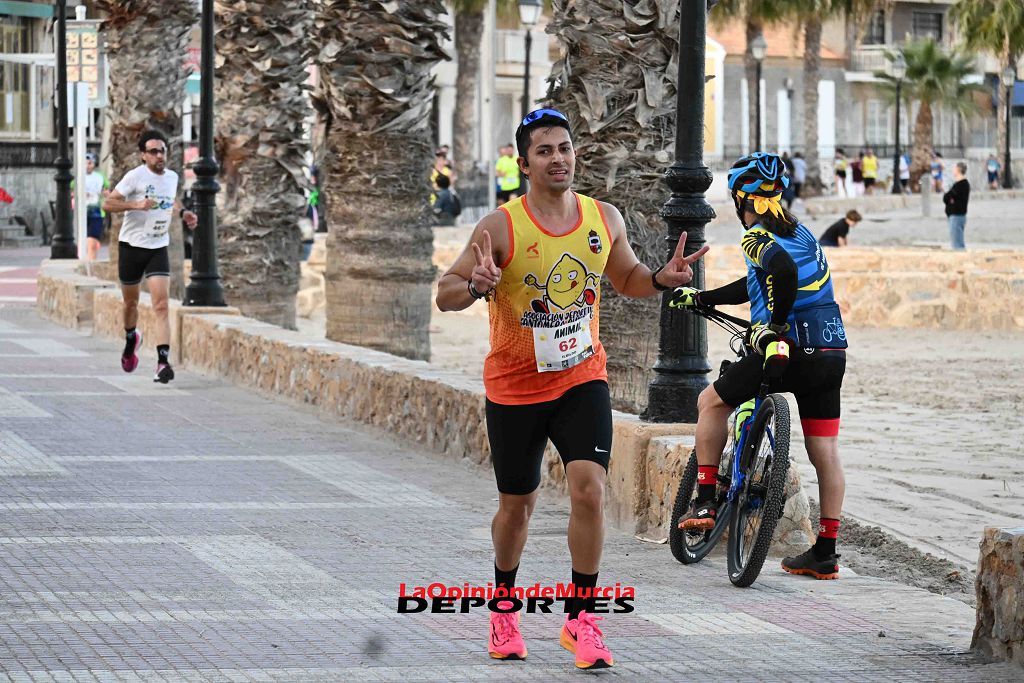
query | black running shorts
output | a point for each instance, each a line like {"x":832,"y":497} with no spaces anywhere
{"x":814,"y":378}
{"x":135,"y":263}
{"x":579,"y":424}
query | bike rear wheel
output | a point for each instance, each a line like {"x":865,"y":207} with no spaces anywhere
{"x":765,"y":461}
{"x":690,"y":547}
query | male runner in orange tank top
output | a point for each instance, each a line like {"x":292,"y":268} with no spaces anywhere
{"x":538,"y":260}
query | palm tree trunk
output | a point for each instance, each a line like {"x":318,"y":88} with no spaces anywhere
{"x":812,"y":74}
{"x":261,"y":108}
{"x":754,"y":28}
{"x":622,"y":112}
{"x":468,"y":29}
{"x":146,"y":44}
{"x":921,"y":159}
{"x":1001,"y":129}
{"x":376,"y":90}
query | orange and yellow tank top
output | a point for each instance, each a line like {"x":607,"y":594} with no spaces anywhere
{"x":544,"y":314}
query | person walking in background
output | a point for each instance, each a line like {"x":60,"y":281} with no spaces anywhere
{"x":447,"y":207}
{"x":95,"y":191}
{"x":937,"y":169}
{"x":840,"y":165}
{"x":993,"y":168}
{"x":869,"y":170}
{"x":507,"y":170}
{"x":836,"y":235}
{"x":956,"y":205}
{"x":856,"y":171}
{"x":147,"y":196}
{"x":905,"y":173}
{"x":799,"y":173}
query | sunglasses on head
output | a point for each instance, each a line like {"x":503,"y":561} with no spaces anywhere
{"x":538,"y":114}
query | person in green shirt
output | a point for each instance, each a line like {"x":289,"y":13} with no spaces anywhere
{"x":507,"y":170}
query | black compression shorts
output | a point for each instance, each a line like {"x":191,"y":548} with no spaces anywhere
{"x":579,"y":424}
{"x":135,"y":263}
{"x":814,"y":378}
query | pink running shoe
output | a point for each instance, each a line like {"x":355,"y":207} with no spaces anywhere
{"x":506,"y":641}
{"x":583,"y":638}
{"x":129,"y":358}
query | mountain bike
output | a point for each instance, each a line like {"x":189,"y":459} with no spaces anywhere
{"x":752,"y":473}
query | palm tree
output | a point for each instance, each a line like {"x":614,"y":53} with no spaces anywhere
{"x":469,"y":23}
{"x":146,"y":44}
{"x":375,"y":94}
{"x":616,"y":83}
{"x":261,"y":106}
{"x":812,"y":14}
{"x":934,"y":78}
{"x":995,"y":26}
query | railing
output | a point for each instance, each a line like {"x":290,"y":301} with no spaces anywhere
{"x":17,"y":154}
{"x":868,"y":60}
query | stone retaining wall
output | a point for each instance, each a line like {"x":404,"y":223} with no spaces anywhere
{"x":911,"y":287}
{"x":999,"y":631}
{"x":442,"y":410}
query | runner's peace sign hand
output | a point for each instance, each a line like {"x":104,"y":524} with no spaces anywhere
{"x":486,"y":274}
{"x":677,"y":271}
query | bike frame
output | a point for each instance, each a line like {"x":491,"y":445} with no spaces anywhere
{"x":737,"y":476}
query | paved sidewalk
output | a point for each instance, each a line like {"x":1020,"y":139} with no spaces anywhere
{"x":199,"y":532}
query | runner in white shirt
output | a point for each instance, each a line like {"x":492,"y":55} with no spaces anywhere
{"x":147,"y":196}
{"x":95,"y":189}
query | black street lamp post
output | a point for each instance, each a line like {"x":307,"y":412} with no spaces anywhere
{"x":899,"y":71}
{"x":758,"y":49}
{"x":63,"y":244}
{"x":681,"y":370}
{"x":529,"y":13}
{"x":1008,"y":77}
{"x":205,"y":288}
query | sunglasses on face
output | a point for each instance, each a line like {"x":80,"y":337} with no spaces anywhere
{"x":157,"y":150}
{"x":537,"y":115}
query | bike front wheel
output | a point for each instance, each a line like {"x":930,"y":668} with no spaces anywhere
{"x":765,"y":461}
{"x":690,"y":547}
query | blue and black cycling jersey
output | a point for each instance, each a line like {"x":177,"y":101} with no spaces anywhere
{"x":813,"y":315}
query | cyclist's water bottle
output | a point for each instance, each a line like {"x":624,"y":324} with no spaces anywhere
{"x":742,"y":414}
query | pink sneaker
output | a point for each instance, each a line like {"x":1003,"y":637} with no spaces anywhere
{"x":582,"y":637}
{"x":129,"y":358}
{"x":506,"y":641}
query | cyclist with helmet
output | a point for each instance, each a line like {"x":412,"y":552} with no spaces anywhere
{"x":789,"y":288}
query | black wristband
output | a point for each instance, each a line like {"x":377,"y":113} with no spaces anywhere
{"x":654,"y":281}
{"x":475,"y":294}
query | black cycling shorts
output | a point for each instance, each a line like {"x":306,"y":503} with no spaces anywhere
{"x":579,"y":424}
{"x":815,"y":379}
{"x":135,"y":263}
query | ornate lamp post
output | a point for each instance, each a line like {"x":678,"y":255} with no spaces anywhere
{"x":529,"y":13}
{"x":1008,"y":76}
{"x":758,"y":50}
{"x":63,"y":244}
{"x":204,"y":288}
{"x":899,"y":71}
{"x":682,"y":366}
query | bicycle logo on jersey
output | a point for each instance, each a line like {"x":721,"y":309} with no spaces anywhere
{"x":834,"y":330}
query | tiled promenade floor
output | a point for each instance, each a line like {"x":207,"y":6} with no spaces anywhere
{"x":199,"y":532}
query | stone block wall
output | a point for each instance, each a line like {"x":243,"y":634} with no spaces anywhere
{"x":906,"y":288}
{"x":999,"y":631}
{"x":65,"y":296}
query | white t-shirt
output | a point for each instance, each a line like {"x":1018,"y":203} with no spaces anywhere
{"x":148,"y":229}
{"x":93,"y":188}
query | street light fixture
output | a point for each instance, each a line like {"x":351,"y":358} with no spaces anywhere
{"x":680,"y":373}
{"x":63,"y":243}
{"x":1008,"y":77}
{"x":899,"y":72}
{"x":205,"y":288}
{"x":758,"y":50}
{"x":529,"y":14}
